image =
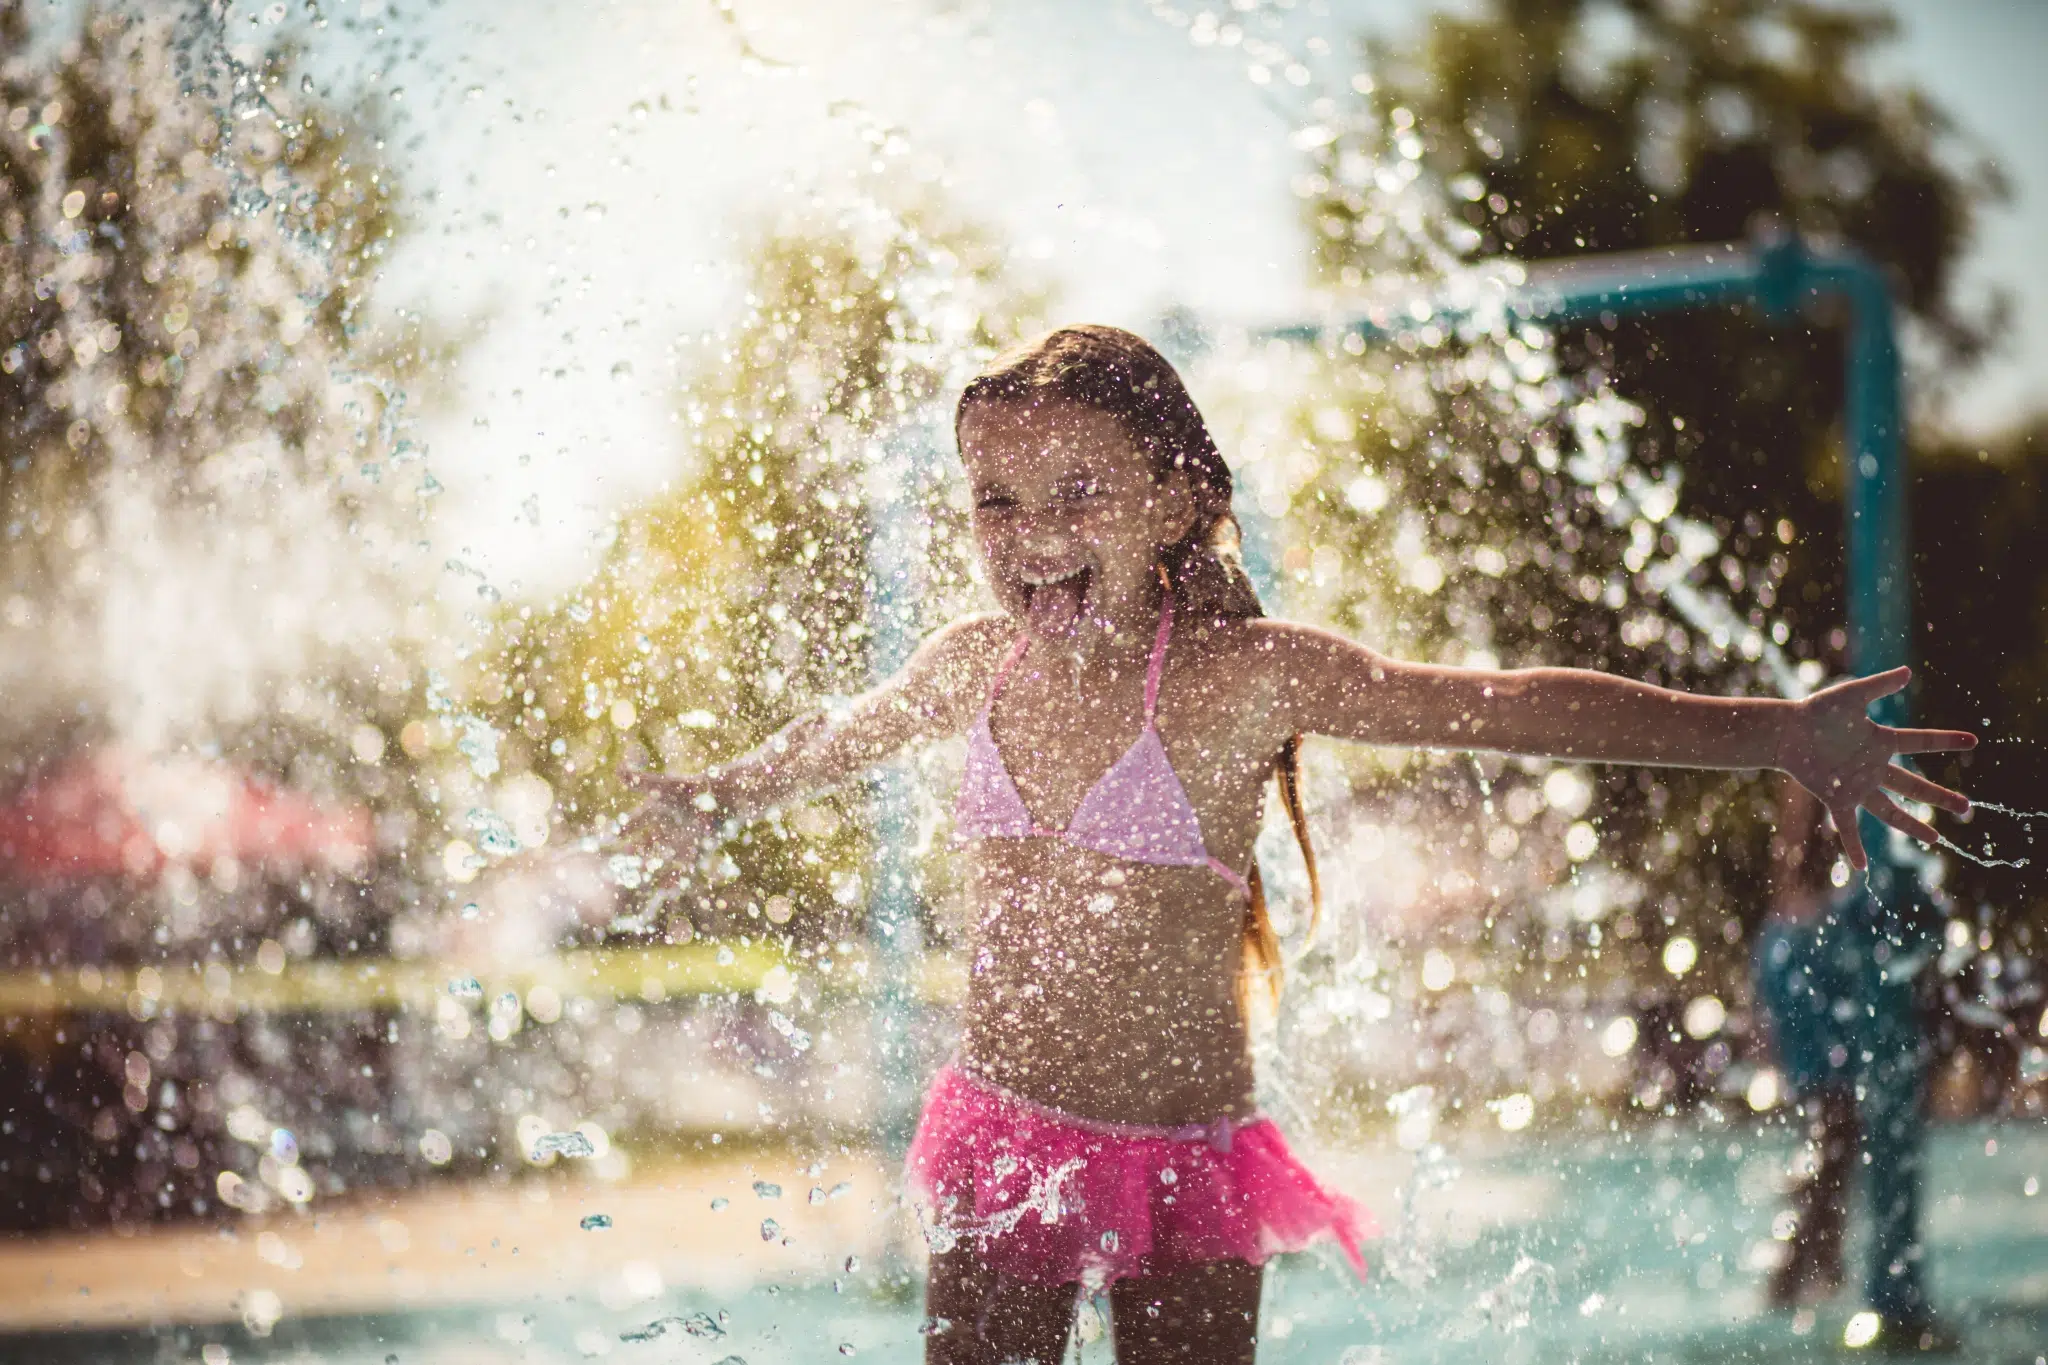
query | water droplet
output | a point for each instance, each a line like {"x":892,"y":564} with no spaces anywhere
{"x":766,"y":1190}
{"x":770,"y":1229}
{"x":493,"y":832}
{"x":696,"y":1324}
{"x":571,"y":1143}
{"x":466,"y":988}
{"x":852,"y":1264}
{"x":720,"y":1203}
{"x":479,"y":744}
{"x":593,"y":1222}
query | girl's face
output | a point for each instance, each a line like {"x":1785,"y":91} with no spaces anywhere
{"x":1069,"y":516}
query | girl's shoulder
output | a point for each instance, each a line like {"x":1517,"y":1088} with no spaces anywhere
{"x":1257,"y":644}
{"x":1232,"y":653}
{"x":1261,"y":662}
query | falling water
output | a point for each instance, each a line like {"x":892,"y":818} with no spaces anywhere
{"x":487,"y":753}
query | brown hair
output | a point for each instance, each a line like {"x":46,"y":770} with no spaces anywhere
{"x":1119,"y":373}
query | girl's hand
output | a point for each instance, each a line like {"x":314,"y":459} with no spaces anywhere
{"x":681,"y":813}
{"x":1834,"y":750}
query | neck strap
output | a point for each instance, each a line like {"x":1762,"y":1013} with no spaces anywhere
{"x":1158,"y":664}
{"x":1153,"y":669}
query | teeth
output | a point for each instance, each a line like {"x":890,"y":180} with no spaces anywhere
{"x":1034,"y":581}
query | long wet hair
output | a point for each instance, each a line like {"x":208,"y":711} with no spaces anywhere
{"x":1116,"y":372}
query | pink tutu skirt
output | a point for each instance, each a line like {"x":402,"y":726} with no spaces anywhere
{"x":1048,"y":1198}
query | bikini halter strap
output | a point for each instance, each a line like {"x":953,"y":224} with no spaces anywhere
{"x":1158,"y":664}
{"x":1153,"y":670}
{"x":1016,"y":652}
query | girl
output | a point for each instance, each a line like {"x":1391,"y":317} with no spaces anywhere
{"x":1124,"y":710}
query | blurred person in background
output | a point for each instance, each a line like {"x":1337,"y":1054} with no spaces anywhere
{"x":1836,"y":980}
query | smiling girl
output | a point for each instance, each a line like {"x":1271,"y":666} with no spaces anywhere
{"x":1125,"y":709}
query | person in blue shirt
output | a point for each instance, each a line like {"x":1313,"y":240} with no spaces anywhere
{"x":1836,"y":975}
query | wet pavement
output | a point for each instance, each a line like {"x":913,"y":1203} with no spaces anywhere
{"x":1644,"y":1247}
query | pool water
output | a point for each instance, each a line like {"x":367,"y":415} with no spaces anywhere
{"x":1639,"y":1247}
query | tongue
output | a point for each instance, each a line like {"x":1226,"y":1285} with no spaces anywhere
{"x":1055,"y":608}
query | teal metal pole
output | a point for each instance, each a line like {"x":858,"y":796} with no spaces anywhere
{"x":897,"y":555}
{"x":1778,"y":274}
{"x":1880,"y":591}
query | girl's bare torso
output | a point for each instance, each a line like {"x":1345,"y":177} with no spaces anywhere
{"x":1100,"y":986}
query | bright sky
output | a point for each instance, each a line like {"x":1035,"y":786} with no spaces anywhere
{"x":580,"y":226}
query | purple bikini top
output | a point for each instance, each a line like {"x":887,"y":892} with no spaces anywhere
{"x":1137,"y":810}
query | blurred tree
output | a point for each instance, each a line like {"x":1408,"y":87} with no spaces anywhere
{"x":202,"y":432}
{"x":1485,"y":516}
{"x":1980,"y":624}
{"x":741,"y":598}
{"x":208,"y":514}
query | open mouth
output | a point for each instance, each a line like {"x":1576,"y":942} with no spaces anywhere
{"x":1055,"y":605}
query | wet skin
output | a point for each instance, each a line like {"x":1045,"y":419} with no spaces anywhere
{"x":1101,"y":986}
{"x":1125,"y":1009}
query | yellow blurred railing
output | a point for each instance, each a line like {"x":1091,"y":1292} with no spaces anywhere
{"x":339,"y":985}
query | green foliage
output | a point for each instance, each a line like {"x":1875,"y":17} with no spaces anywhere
{"x":1980,"y":625}
{"x":1464,"y":498}
{"x":208,"y":502}
{"x":202,"y":437}
{"x":1568,"y":126}
{"x":739,"y":599}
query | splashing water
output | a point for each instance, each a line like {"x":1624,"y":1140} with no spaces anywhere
{"x":493,"y":832}
{"x":700,"y":1325}
{"x":487,"y":744}
{"x":569,"y":1144}
{"x":479,"y":744}
{"x":1510,"y":1305}
{"x":946,"y":1227}
{"x":799,"y":1040}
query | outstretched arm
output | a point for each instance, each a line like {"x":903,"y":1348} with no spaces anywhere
{"x":1332,"y":686}
{"x":932,"y":696}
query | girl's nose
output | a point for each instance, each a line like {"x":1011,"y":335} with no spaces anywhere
{"x":1045,"y":533}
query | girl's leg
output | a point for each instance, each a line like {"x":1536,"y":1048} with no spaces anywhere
{"x":1204,"y":1314}
{"x":975,"y":1317}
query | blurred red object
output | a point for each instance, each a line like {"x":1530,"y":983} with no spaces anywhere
{"x":121,"y":815}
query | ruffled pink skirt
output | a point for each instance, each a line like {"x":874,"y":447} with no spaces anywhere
{"x":1048,"y":1198}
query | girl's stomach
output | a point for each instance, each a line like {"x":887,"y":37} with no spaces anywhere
{"x":1106,"y":988}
